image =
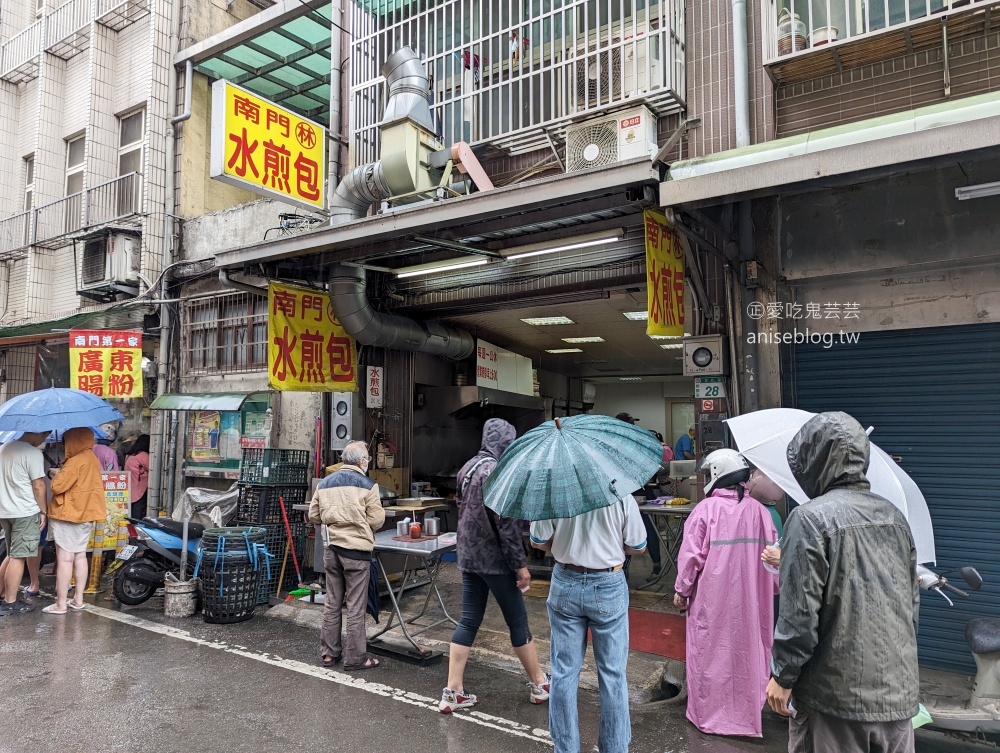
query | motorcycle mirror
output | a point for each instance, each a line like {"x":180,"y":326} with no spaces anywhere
{"x":971,"y":577}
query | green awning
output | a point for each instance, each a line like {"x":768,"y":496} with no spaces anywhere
{"x":287,"y":63}
{"x":114,"y":317}
{"x":220,"y":401}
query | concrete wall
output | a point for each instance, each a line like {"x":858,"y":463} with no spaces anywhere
{"x":903,"y":249}
{"x":205,"y":235}
{"x":201,"y":19}
{"x":197,"y":192}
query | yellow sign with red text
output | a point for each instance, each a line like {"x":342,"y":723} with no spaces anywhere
{"x":664,"y":277}
{"x":264,"y":148}
{"x":107,"y":363}
{"x":308,"y":350}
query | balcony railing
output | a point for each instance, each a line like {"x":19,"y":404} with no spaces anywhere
{"x":58,"y":218}
{"x":113,"y":200}
{"x":19,"y":54}
{"x":508,"y":72}
{"x":15,"y":232}
{"x":795,"y":29}
{"x":69,"y":28}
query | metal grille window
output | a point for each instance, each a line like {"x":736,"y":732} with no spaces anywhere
{"x":510,"y":71}
{"x":227,"y":334}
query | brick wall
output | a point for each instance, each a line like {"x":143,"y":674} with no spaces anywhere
{"x":710,"y":87}
{"x":896,"y":85}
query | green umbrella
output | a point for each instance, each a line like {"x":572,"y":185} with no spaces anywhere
{"x":570,"y":466}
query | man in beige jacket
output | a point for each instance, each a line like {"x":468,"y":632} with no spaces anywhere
{"x":347,"y":504}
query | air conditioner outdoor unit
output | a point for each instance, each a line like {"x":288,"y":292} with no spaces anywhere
{"x":607,"y":140}
{"x":110,"y":264}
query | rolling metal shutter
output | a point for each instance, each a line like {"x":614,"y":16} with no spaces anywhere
{"x":933,"y":396}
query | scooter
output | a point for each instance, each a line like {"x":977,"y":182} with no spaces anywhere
{"x":154,"y":548}
{"x":954,"y":702}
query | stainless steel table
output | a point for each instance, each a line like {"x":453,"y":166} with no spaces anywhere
{"x":417,"y":556}
{"x":668,"y":521}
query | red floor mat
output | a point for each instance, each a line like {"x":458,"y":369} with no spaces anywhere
{"x":657,"y":633}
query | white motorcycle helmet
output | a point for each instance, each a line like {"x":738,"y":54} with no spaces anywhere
{"x":111,"y":429}
{"x":725,"y":468}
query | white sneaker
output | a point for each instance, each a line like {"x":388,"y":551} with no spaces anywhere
{"x":540,"y":692}
{"x":451,"y":701}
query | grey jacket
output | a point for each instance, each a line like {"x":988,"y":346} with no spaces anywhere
{"x":481,"y":549}
{"x":845,"y":642}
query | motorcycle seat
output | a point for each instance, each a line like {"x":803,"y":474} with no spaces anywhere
{"x":195,"y":530}
{"x":983,"y":635}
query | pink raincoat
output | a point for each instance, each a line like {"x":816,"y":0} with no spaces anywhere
{"x":730,"y":621}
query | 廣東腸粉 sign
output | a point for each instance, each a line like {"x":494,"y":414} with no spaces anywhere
{"x":107,"y":363}
{"x":264,"y":148}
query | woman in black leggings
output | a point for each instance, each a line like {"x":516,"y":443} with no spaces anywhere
{"x":491,"y":558}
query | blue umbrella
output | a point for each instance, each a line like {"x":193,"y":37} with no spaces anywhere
{"x":570,"y":466}
{"x":56,"y":436}
{"x":55,"y":409}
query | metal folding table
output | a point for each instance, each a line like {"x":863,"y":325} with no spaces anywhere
{"x":668,"y":521}
{"x":418,"y":556}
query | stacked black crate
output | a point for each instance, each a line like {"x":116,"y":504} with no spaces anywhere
{"x":268,"y":477}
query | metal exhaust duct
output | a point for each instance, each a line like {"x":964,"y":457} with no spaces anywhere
{"x":354,"y":311}
{"x":407,"y":106}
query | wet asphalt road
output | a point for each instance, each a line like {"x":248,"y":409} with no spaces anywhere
{"x":117,"y":680}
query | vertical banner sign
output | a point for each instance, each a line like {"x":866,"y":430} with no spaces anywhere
{"x":264,"y":148}
{"x":373,"y":390}
{"x":107,"y":363}
{"x":111,"y":533}
{"x":665,"y":276}
{"x":308,"y":350}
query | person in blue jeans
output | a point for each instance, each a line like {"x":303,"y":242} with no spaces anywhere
{"x":589,"y":592}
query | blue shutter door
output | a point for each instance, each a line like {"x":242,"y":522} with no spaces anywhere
{"x":933,"y":396}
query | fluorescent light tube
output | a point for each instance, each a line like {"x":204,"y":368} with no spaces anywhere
{"x":583,"y":339}
{"x":544,"y":321}
{"x":446,"y":265}
{"x":568,"y":244}
{"x":565,"y":350}
{"x":977,"y":192}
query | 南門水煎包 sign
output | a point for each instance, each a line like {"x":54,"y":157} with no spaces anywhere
{"x":264,"y":148}
{"x":308,"y":350}
{"x":665,"y":277}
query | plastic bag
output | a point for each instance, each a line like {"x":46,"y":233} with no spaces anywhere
{"x":923,"y":717}
{"x":198,"y":505}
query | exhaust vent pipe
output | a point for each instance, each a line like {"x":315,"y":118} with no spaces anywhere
{"x":396,"y":172}
{"x":354,"y":311}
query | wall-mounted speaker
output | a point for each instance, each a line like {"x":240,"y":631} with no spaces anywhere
{"x":341,"y":420}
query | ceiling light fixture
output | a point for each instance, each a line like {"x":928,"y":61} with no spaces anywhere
{"x":545,"y":321}
{"x":672,"y":346}
{"x":567,"y":244}
{"x":629,"y":379}
{"x":977,"y":192}
{"x":445,"y":265}
{"x":636,"y":316}
{"x":565,"y":350}
{"x":669,"y":337}
{"x":583,"y":339}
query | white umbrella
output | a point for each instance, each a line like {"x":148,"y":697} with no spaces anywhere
{"x":763,"y":437}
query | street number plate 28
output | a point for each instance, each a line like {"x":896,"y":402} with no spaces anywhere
{"x":709,"y":387}
{"x":126,"y":552}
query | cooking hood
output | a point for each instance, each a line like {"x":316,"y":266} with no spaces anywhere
{"x":442,"y":406}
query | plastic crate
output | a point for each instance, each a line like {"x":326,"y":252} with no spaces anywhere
{"x":275,"y":538}
{"x":260,"y":504}
{"x":266,"y":467}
